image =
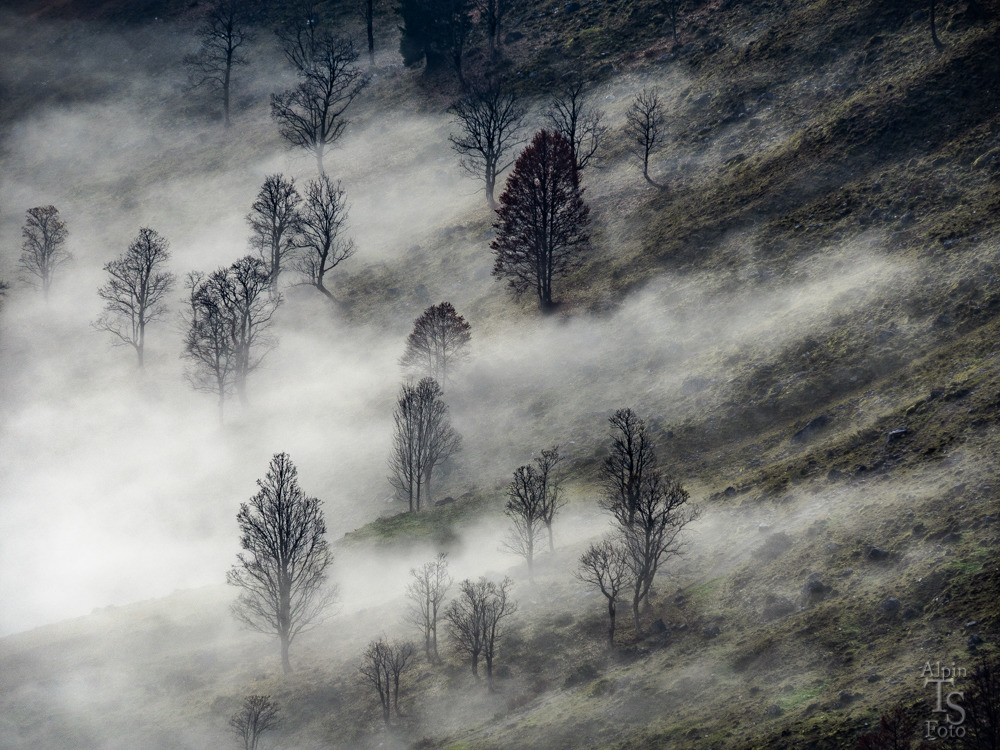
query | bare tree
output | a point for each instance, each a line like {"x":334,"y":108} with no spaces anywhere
{"x":606,"y":566}
{"x":228,"y":336}
{"x":982,"y":706}
{"x":632,"y":455}
{"x":672,"y":9}
{"x":524,"y":509}
{"x":491,"y":13}
{"x":368,"y":16}
{"x":423,"y":439}
{"x":321,"y":221}
{"x":426,"y":592}
{"x":375,"y":669}
{"x":476,"y":618}
{"x":542,"y":219}
{"x":311,"y":115}
{"x":489,"y":118}
{"x":225,"y":31}
{"x":551,"y":499}
{"x":257,"y":715}
{"x":933,"y":20}
{"x":274,"y":223}
{"x":651,"y":537}
{"x":208,"y":345}
{"x":282,"y":569}
{"x":400,"y":659}
{"x":579,"y":123}
{"x":135,"y":290}
{"x":439,"y":340}
{"x":643,"y":127}
{"x":43,"y":249}
{"x":435,"y":31}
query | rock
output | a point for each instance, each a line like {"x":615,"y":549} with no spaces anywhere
{"x":906,"y":219}
{"x":815,"y":588}
{"x":911,"y":613}
{"x":891,"y":605}
{"x":729,"y":492}
{"x":513,"y":36}
{"x":659,"y":627}
{"x":764,"y":528}
{"x":974,"y":640}
{"x":874,"y":677}
{"x":572,"y":7}
{"x":712,"y":631}
{"x":845,"y":697}
{"x":773,"y":710}
{"x":898,"y":434}
{"x":943,"y":320}
{"x":847,"y":572}
{"x":446,"y":501}
{"x":877,"y":553}
{"x":813,"y":426}
{"x":971,"y":623}
{"x":776,"y":607}
{"x":919,"y":529}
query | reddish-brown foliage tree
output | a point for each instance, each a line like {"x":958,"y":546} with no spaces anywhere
{"x":542,"y":219}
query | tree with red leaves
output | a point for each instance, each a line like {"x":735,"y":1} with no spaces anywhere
{"x":542,"y":219}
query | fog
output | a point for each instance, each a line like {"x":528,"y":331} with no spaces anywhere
{"x":119,"y":485}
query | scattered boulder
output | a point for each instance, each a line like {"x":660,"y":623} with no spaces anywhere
{"x":712,"y":631}
{"x":774,"y":546}
{"x":446,"y":501}
{"x":877,"y":553}
{"x":845,"y":697}
{"x":572,"y":7}
{"x":891,"y":606}
{"x":513,"y":36}
{"x":729,"y":491}
{"x":813,"y":426}
{"x":815,"y":589}
{"x":773,"y":710}
{"x":659,"y":627}
{"x":972,"y":623}
{"x":897,"y":434}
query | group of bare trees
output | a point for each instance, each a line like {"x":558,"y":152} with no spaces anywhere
{"x":532,"y":502}
{"x":382,"y":665}
{"x":306,"y":234}
{"x":649,"y":510}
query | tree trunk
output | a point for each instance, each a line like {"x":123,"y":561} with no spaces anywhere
{"x":319,"y":159}
{"x":370,"y":24}
{"x":934,"y":36}
{"x":286,"y":665}
{"x":611,"y":623}
{"x":475,"y":665}
{"x":548,"y":527}
{"x":225,"y":89}
{"x":489,"y":673}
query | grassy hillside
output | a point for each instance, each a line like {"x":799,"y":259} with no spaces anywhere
{"x":825,"y":246}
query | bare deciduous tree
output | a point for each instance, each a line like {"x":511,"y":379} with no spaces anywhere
{"x":672,"y":9}
{"x":439,"y":340}
{"x":489,"y":118}
{"x":579,"y":123}
{"x":524,"y":509}
{"x":652,"y":536}
{"x":551,"y":499}
{"x":643,"y":127}
{"x":135,"y":290}
{"x":632,"y":455}
{"x":476,"y":618}
{"x":257,"y":715}
{"x":281,"y":572}
{"x":43,"y":249}
{"x":542,"y":219}
{"x":606,"y":566}
{"x":274,"y":223}
{"x":227,"y":339}
{"x":400,"y":659}
{"x":426,"y":592}
{"x":375,"y":670}
{"x":382,"y":665}
{"x":491,"y":14}
{"x":311,"y":115}
{"x":225,"y":31}
{"x":208,"y":345}
{"x":423,"y":438}
{"x":321,"y":221}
